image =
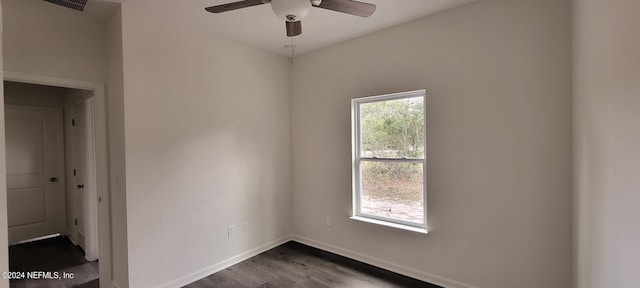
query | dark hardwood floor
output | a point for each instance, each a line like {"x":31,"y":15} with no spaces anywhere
{"x":294,"y":265}
{"x":51,"y":255}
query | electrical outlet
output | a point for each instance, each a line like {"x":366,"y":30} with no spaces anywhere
{"x":231,"y":230}
{"x":245,"y":226}
{"x":328,"y":221}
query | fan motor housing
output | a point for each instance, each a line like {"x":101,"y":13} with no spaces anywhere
{"x":287,"y":8}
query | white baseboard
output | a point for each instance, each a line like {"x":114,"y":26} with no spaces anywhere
{"x":226,"y":263}
{"x":403,"y":270}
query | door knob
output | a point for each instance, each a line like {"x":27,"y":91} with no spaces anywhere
{"x":53,"y":179}
{"x":81,"y":186}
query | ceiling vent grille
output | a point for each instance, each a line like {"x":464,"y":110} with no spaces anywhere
{"x":71,"y":4}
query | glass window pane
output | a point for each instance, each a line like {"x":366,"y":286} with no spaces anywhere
{"x":393,"y":128}
{"x":393,"y":190}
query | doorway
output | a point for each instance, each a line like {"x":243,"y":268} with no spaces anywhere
{"x":35,"y":169}
{"x":85,"y":198}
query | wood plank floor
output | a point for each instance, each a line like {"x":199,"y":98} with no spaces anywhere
{"x":294,"y":265}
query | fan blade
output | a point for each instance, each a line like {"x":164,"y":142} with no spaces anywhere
{"x":294,"y":28}
{"x":235,"y":5}
{"x":349,"y":6}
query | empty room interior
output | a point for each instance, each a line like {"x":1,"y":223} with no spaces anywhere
{"x":189,"y":140}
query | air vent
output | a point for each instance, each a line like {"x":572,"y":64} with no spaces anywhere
{"x":71,"y":4}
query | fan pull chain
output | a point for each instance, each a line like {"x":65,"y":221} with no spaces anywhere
{"x":293,"y":51}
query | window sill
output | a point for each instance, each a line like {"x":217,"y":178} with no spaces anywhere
{"x":392,"y":225}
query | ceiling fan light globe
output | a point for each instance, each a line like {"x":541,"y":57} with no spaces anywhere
{"x":287,"y":8}
{"x":316,"y":2}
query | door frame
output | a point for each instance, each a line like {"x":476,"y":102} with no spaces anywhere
{"x":101,"y":164}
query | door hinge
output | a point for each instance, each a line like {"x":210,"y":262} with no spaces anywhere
{"x":73,"y":122}
{"x":75,"y":222}
{"x":74,"y":172}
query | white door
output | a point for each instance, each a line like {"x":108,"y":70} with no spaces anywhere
{"x":78,"y":157}
{"x":35,"y":172}
{"x":85,"y":194}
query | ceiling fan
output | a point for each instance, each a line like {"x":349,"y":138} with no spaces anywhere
{"x":292,"y":11}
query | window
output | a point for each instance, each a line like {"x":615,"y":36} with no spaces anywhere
{"x":389,"y":160}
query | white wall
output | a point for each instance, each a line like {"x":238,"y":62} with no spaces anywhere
{"x":498,"y":81}
{"x":607,"y":127}
{"x":207,"y":146}
{"x":57,"y":42}
{"x":115,"y":110}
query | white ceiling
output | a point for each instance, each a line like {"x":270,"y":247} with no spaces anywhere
{"x":258,"y":26}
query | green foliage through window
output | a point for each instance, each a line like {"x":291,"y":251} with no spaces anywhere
{"x":393,"y":129}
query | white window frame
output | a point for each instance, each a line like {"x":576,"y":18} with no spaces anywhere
{"x":357,"y":159}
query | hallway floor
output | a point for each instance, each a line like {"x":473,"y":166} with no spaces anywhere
{"x":51,"y":255}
